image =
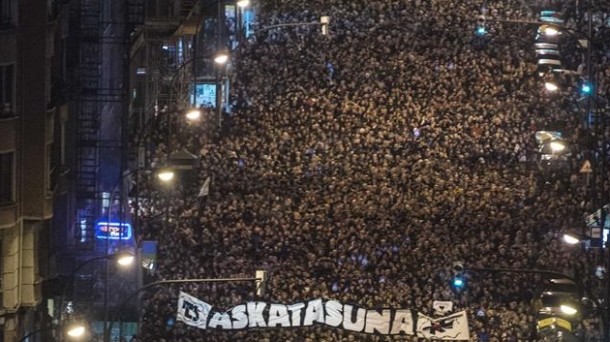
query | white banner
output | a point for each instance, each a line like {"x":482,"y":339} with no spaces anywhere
{"x":193,"y":311}
{"x":317,"y":311}
{"x":452,"y":327}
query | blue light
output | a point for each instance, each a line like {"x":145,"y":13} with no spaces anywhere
{"x":113,"y":231}
{"x":458,"y":282}
{"x":481,"y":31}
{"x":586,"y":89}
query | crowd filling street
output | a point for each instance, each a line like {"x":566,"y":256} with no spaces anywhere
{"x":359,"y":165}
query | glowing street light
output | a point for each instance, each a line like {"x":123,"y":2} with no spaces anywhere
{"x":193,"y":114}
{"x":166,"y":175}
{"x":221,"y":58}
{"x":243,"y":3}
{"x":570,"y":239}
{"x":551,"y":86}
{"x":125,"y":259}
{"x":567,"y":309}
{"x":76,"y":331}
{"x":557,"y":146}
{"x":549,"y":30}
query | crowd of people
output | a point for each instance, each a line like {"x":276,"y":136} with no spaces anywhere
{"x":360,"y":165}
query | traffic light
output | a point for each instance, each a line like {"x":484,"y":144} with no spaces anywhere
{"x":481,"y":28}
{"x":586,"y":88}
{"x":458,"y":282}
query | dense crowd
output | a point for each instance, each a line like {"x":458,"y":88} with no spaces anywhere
{"x":360,"y":165}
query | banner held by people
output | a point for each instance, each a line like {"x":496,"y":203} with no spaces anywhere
{"x":452,"y":327}
{"x":318,"y":311}
{"x":442,"y":307}
{"x":192,"y":311}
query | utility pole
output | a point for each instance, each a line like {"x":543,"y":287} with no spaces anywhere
{"x":260,"y":280}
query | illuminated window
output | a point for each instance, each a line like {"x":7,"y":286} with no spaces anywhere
{"x":7,"y":90}
{"x":7,"y":167}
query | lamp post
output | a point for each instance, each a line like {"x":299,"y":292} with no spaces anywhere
{"x":573,"y":238}
{"x":260,"y":279}
{"x":241,"y":7}
{"x":219,"y":78}
{"x":122,"y":259}
{"x":570,"y":239}
{"x":220,"y":58}
{"x":167,"y":172}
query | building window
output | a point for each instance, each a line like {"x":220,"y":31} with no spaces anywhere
{"x":7,"y":90}
{"x":7,"y":178}
{"x":6,"y":12}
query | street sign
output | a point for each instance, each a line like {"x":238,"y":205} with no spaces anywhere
{"x":586,"y":167}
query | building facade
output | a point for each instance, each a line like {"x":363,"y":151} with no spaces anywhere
{"x":32,"y":122}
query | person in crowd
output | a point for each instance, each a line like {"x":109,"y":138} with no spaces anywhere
{"x":360,"y":165}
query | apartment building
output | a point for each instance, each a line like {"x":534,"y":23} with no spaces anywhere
{"x":32,"y":119}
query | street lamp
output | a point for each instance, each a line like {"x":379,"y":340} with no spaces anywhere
{"x":260,"y":279}
{"x":243,"y":3}
{"x":554,"y":147}
{"x":166,"y":175}
{"x":568,"y":309}
{"x":553,"y":302}
{"x":221,"y":58}
{"x":557,"y":146}
{"x":548,"y":30}
{"x":123,"y":259}
{"x":570,"y":239}
{"x":193,"y":114}
{"x":76,"y":330}
{"x":551,"y":86}
{"x":241,"y":10}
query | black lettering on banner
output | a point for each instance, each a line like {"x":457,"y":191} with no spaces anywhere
{"x":188,"y":308}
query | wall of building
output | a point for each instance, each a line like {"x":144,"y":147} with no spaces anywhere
{"x":27,"y":41}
